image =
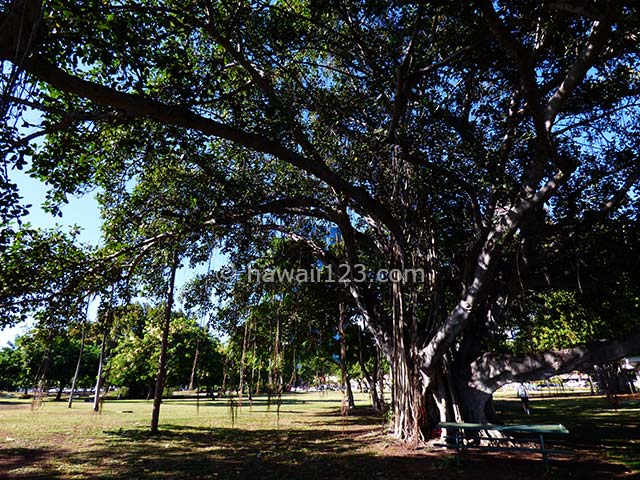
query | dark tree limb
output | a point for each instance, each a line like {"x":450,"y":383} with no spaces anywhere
{"x":491,"y":371}
{"x":11,"y":46}
{"x":586,"y":58}
{"x":476,"y":290}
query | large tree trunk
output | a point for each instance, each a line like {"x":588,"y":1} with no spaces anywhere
{"x":408,"y":399}
{"x":409,"y":386}
{"x":476,"y":406}
{"x":162,"y":362}
{"x":59,"y":394}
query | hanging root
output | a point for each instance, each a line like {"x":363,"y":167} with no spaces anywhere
{"x":38,"y":396}
{"x":233,"y":410}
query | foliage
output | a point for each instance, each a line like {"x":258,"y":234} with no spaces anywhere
{"x":43,"y":274}
{"x":134,"y":360}
{"x":52,"y":356}
{"x":12,"y":369}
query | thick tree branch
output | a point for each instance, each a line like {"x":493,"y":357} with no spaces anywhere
{"x":587,"y":57}
{"x":491,"y":371}
{"x":475,"y":292}
{"x":289,"y":112}
{"x":617,"y":198}
{"x":180,"y":116}
{"x":526,"y":68}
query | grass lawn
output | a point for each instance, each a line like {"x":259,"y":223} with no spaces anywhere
{"x":595,"y":427}
{"x":308,"y":439}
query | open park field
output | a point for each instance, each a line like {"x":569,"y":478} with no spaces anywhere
{"x":307,"y":439}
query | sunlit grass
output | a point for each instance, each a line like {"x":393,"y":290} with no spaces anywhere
{"x":74,"y":443}
{"x":305,"y":438}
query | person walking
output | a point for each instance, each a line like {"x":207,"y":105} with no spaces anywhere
{"x":523,"y":394}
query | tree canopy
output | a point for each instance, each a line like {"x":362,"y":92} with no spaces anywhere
{"x":493,"y":145}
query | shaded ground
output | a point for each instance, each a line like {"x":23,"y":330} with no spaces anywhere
{"x":597,"y":430}
{"x":307,"y":440}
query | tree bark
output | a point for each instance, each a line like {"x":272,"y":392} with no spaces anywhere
{"x":475,"y":405}
{"x":408,"y":396}
{"x":96,"y":397}
{"x":195,"y":366}
{"x":162,"y":361}
{"x":59,"y":394}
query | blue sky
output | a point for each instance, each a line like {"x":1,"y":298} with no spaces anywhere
{"x":82,"y":211}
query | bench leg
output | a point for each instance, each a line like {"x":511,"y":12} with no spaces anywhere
{"x":545,"y":457}
{"x":458,"y":447}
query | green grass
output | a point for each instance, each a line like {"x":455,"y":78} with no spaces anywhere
{"x":211,"y":441}
{"x":307,"y":439}
{"x":593,"y":424}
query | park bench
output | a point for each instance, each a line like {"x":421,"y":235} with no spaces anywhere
{"x":461,"y":441}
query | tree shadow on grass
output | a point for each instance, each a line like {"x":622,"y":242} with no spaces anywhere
{"x":183,"y":452}
{"x":13,"y":458}
{"x":200,"y":452}
{"x":360,"y":416}
{"x":15,"y":403}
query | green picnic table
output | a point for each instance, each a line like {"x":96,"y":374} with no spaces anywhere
{"x":460,"y":442}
